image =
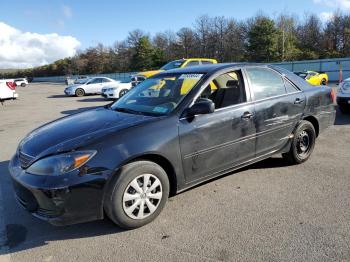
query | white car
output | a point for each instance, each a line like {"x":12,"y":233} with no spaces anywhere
{"x":343,"y":96}
{"x":110,"y":92}
{"x":21,"y":82}
{"x":7,"y":90}
{"x":92,"y":85}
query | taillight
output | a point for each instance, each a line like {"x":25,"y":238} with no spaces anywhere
{"x":333,"y":96}
{"x":11,"y":85}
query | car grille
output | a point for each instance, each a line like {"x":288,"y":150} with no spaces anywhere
{"x":25,"y":160}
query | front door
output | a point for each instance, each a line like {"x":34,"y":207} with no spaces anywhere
{"x":216,"y":142}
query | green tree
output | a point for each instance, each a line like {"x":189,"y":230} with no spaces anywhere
{"x":287,"y":40}
{"x":262,"y":40}
{"x":142,"y":58}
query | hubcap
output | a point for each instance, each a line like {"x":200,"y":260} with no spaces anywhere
{"x":142,"y":196}
{"x":303,"y":143}
{"x":123,"y":92}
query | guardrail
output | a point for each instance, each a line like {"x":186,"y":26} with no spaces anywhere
{"x":123,"y":77}
{"x":330,"y":66}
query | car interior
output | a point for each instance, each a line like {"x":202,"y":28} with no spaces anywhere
{"x":226,"y":90}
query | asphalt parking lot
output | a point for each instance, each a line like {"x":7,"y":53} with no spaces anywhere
{"x":267,"y":212}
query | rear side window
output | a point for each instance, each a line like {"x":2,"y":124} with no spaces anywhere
{"x":207,"y":62}
{"x":265,"y":83}
{"x":96,"y":81}
{"x":192,"y":63}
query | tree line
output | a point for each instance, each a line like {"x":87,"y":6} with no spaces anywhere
{"x":257,"y":39}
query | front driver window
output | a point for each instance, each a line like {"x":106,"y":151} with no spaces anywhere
{"x":226,"y":90}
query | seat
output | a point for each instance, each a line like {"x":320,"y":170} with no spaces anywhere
{"x":228,"y":96}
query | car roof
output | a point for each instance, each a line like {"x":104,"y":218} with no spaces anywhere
{"x":210,"y":68}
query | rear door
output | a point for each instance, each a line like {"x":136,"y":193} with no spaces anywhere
{"x":278,"y":107}
{"x":216,"y":142}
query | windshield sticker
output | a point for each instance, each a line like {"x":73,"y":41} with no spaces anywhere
{"x":159,"y":109}
{"x":190,"y":76}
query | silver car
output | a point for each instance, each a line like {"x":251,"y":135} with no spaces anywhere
{"x":343,"y":97}
{"x":92,"y":85}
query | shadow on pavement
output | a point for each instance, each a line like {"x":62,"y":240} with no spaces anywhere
{"x":342,"y":118}
{"x":95,"y":99}
{"x":57,"y":96}
{"x":25,"y":232}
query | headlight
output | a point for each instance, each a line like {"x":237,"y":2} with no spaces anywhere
{"x":60,"y":164}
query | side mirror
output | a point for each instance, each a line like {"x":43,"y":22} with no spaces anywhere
{"x":202,"y":107}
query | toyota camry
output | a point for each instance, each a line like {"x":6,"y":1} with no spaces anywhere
{"x":173,"y":131}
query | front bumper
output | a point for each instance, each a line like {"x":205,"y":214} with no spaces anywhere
{"x":109,"y":95}
{"x":62,"y":200}
{"x":69,"y":92}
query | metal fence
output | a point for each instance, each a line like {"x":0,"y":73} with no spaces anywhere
{"x":330,"y":66}
{"x":123,"y":77}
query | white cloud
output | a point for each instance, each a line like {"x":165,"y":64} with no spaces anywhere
{"x":67,"y":11}
{"x":343,"y":5}
{"x":326,"y":16}
{"x":25,"y":49}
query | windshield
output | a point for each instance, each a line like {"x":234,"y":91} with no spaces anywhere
{"x":172,"y":65}
{"x":157,"y":96}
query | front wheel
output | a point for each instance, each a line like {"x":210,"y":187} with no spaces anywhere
{"x":123,"y":92}
{"x":137,"y":195}
{"x":303,"y":143}
{"x":23,"y":85}
{"x":79,"y":92}
{"x":324,"y":82}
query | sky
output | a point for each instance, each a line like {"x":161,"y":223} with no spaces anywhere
{"x":34,"y":32}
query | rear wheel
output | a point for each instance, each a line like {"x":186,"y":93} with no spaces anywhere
{"x":137,"y":195}
{"x":23,"y":85}
{"x":303,"y":143}
{"x":123,"y":92}
{"x":79,"y":92}
{"x":324,"y":82}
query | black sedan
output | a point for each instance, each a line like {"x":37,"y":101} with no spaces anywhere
{"x":171,"y":132}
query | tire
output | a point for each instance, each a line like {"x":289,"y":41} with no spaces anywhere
{"x":344,"y":109}
{"x":126,"y":213}
{"x":23,"y":85}
{"x":123,"y":92}
{"x":79,"y":92}
{"x":324,"y":82}
{"x":303,"y":143}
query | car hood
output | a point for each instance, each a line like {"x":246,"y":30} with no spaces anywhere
{"x":74,"y":131}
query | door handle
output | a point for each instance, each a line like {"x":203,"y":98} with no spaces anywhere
{"x":247,"y":115}
{"x":298,"y":101}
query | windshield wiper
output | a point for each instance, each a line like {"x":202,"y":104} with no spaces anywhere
{"x":127,"y":110}
{"x":135,"y":112}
